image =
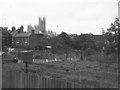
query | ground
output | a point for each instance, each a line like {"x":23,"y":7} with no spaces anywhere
{"x":93,"y":73}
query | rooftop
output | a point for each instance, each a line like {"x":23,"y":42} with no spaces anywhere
{"x":14,"y":33}
{"x":23,"y":35}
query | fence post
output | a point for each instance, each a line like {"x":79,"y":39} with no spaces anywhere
{"x":46,"y":82}
{"x":43,"y":82}
{"x":26,"y":66}
{"x":36,"y":81}
{"x":40,"y":82}
{"x":26,"y":80}
{"x":30,"y":80}
{"x":55,"y":83}
{"x":15,"y":82}
{"x":22,"y":80}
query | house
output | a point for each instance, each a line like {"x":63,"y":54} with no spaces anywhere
{"x":14,"y":33}
{"x":26,"y":40}
{"x":21,"y":40}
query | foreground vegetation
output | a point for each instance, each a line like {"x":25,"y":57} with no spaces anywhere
{"x":89,"y":72}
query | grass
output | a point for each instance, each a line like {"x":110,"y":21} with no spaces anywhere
{"x":92,"y":72}
{"x":85,"y":72}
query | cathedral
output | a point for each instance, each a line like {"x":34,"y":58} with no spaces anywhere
{"x":40,"y":28}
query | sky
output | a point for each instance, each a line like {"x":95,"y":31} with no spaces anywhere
{"x":70,"y":16}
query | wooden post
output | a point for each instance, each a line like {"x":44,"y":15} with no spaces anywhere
{"x":26,"y":67}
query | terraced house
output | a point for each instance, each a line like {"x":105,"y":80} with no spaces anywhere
{"x":27,"y":40}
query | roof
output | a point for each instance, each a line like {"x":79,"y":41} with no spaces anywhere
{"x":23,"y":35}
{"x":14,"y":33}
{"x":26,"y":51}
{"x":1,"y":53}
{"x":48,"y":46}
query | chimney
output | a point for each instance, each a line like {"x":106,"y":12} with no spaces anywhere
{"x":18,"y":30}
{"x":32,"y":31}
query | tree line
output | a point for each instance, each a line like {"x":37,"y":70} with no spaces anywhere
{"x":64,"y":42}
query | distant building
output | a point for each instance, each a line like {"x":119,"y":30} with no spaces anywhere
{"x":40,"y":28}
{"x":27,"y":40}
{"x":50,"y":33}
{"x":29,"y":28}
{"x":42,"y":25}
{"x":14,"y":33}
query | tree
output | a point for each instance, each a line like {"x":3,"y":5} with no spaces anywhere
{"x":58,"y":45}
{"x":6,"y":38}
{"x":113,"y":36}
{"x":103,"y":31}
{"x":83,"y":41}
{"x":114,"y":28}
{"x":65,"y":37}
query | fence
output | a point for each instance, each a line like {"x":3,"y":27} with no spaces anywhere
{"x":16,"y":79}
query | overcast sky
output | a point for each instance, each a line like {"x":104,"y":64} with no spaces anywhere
{"x":71,"y":16}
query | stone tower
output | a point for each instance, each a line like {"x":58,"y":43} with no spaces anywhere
{"x":42,"y":25}
{"x":29,"y":28}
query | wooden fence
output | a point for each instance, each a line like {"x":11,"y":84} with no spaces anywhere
{"x":16,"y":79}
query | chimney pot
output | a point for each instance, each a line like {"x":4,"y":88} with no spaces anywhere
{"x":33,"y":31}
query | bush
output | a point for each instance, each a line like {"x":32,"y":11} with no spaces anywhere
{"x":102,"y":58}
{"x":89,"y":52}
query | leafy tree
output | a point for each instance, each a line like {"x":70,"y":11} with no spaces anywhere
{"x":6,"y":38}
{"x":83,"y":42}
{"x":65,"y":37}
{"x":76,"y":42}
{"x":44,"y":40}
{"x":113,"y":36}
{"x":58,"y":45}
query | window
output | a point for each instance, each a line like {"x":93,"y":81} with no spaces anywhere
{"x":26,"y":44}
{"x":17,"y":40}
{"x":22,"y":39}
{"x":26,"y":40}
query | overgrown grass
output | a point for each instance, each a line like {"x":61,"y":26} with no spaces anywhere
{"x":108,"y":59}
{"x":92,"y":72}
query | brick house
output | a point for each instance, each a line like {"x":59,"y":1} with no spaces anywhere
{"x":27,"y":40}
